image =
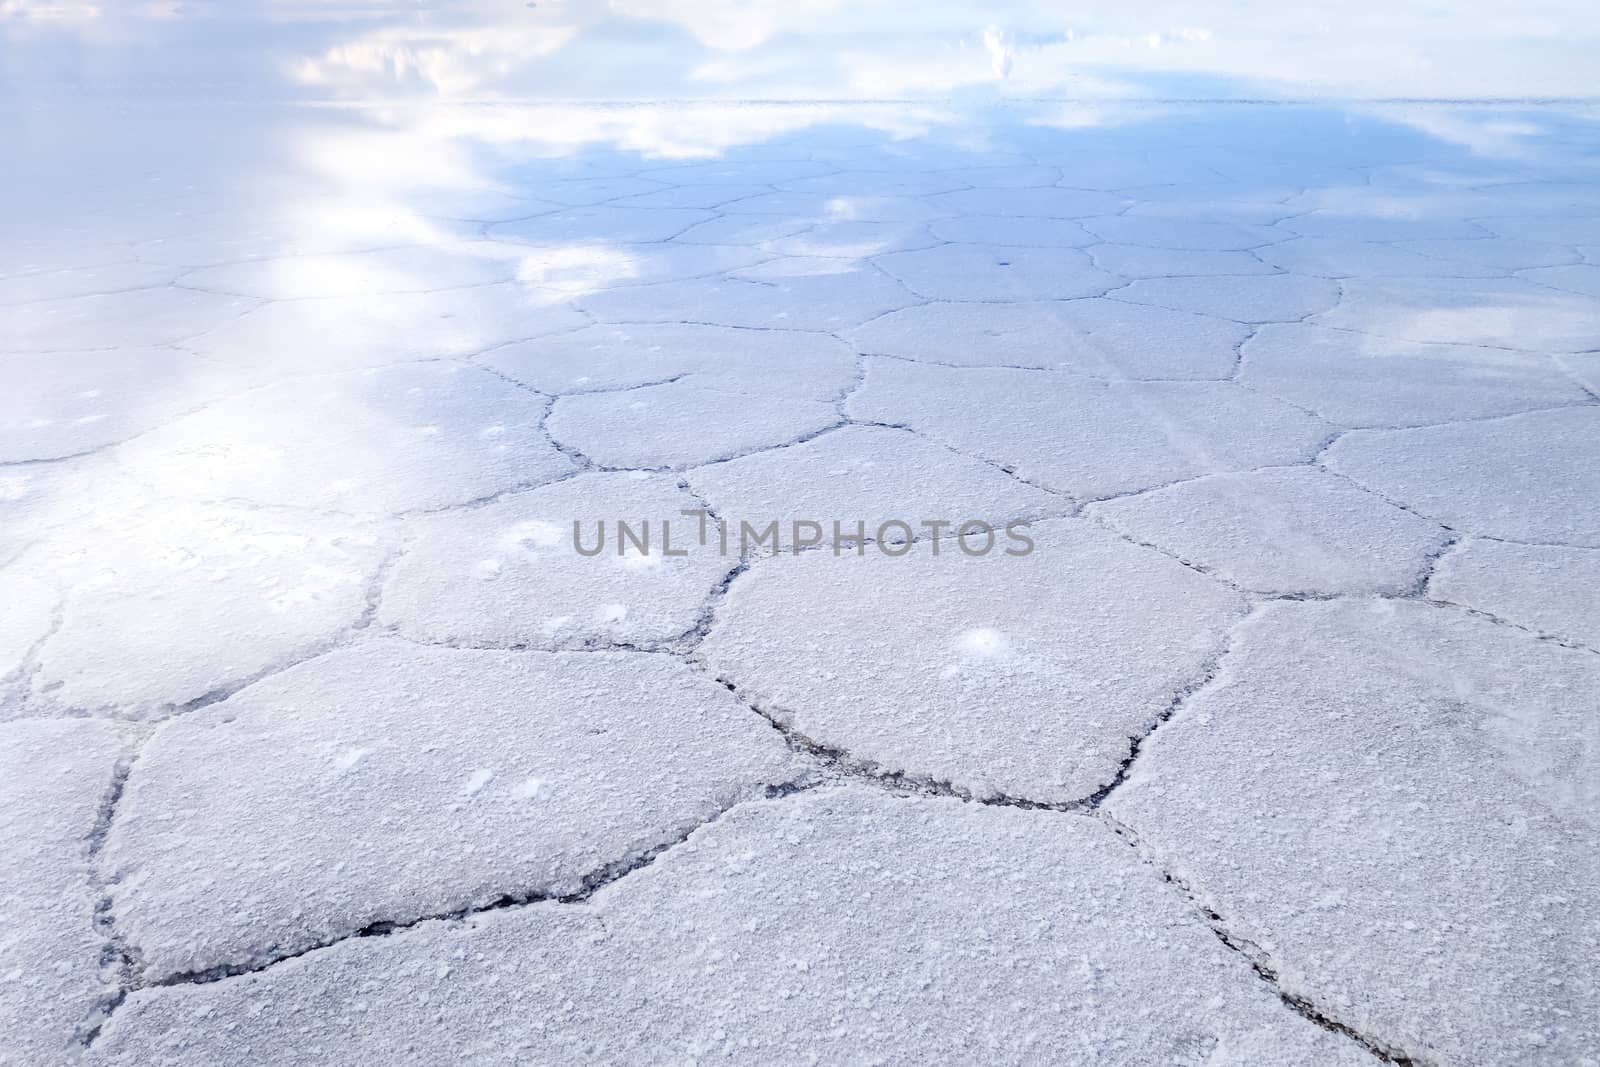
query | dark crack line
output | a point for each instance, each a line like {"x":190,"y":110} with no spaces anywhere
{"x":1418,"y":589}
{"x":1210,"y":671}
{"x":839,"y":764}
{"x":1094,"y":515}
{"x":1063,"y":369}
{"x":362,"y":623}
{"x":1260,"y":960}
{"x":593,"y":644}
{"x":120,"y":959}
{"x":588,"y":886}
{"x":1544,"y":636}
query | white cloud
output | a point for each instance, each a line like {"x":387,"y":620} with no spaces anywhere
{"x":451,"y":61}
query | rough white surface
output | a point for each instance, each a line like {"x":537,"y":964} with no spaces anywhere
{"x":508,"y":574}
{"x":30,"y":611}
{"x":1353,"y":221}
{"x":854,"y":183}
{"x":997,"y":174}
{"x":390,"y":270}
{"x":38,"y":498}
{"x":1178,"y":234}
{"x":1249,"y":299}
{"x":387,"y":783}
{"x":982,"y":272}
{"x":82,"y":281}
{"x":689,"y":196}
{"x":814,"y":928}
{"x":733,"y":170}
{"x":571,"y":268}
{"x":1526,"y":477}
{"x":819,"y":208}
{"x":825,"y":300}
{"x":603,"y":222}
{"x":807,"y":366}
{"x":183,"y":601}
{"x":136,"y":318}
{"x":737,"y":229}
{"x":1556,"y":227}
{"x":1548,"y":588}
{"x":1360,"y":379}
{"x":1139,"y":261}
{"x":66,"y":403}
{"x":225,"y":238}
{"x":1580,"y":278}
{"x":1585,"y":369}
{"x":1333,"y":257}
{"x":870,"y":474}
{"x":1497,"y":252}
{"x":1028,"y":203}
{"x":679,"y":424}
{"x":1504,"y":314}
{"x":1025,"y":232}
{"x":1058,"y":429}
{"x":1392,"y":801}
{"x":385,"y":440}
{"x":579,"y":192}
{"x":54,"y":776}
{"x":1285,"y":530}
{"x":299,"y":337}
{"x":1023,"y":675}
{"x":853,"y":240}
{"x":1106,"y":338}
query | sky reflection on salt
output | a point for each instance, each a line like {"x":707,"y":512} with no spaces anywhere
{"x":802,"y":49}
{"x":202,"y":133}
{"x":699,"y":78}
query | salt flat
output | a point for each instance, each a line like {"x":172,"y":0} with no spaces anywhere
{"x":493,"y":577}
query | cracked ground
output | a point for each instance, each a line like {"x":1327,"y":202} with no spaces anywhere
{"x":322,"y":742}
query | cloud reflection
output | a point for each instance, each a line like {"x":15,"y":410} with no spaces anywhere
{"x":827,"y":50}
